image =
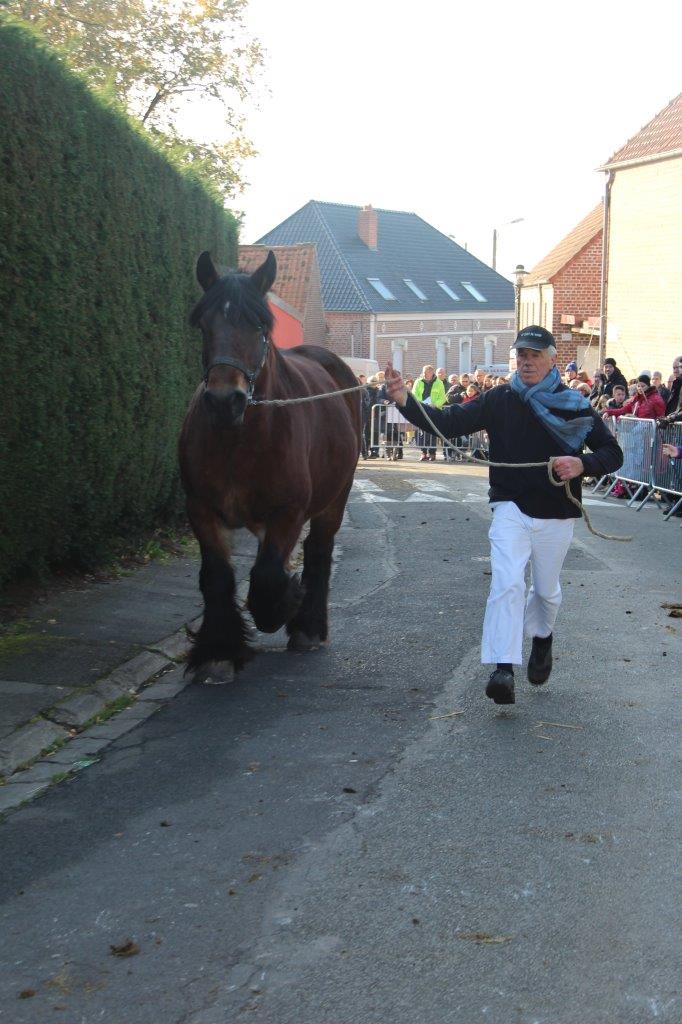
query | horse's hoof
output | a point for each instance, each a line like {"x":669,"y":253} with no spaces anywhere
{"x":215,"y":673}
{"x":299,"y":641}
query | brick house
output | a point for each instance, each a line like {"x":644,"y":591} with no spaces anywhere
{"x":395,"y":287}
{"x":643,"y":200}
{"x":296,"y":297}
{"x":562,"y":292}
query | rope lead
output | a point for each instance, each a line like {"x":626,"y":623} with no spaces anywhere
{"x":549,"y":465}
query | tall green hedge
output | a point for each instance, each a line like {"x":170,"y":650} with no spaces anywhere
{"x":98,"y":238}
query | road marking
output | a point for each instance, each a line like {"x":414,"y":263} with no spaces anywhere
{"x":365,"y":485}
{"x":429,"y":485}
{"x":422,"y":496}
{"x":596,"y":501}
{"x":373,"y":497}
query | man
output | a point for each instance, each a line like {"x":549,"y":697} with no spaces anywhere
{"x":479,"y":378}
{"x":673,"y":408}
{"x":571,"y":372}
{"x":613,"y":376}
{"x":657,"y":382}
{"x":376,"y":421}
{"x":457,"y":390}
{"x":366,"y":408}
{"x":530,"y":419}
{"x":429,"y":389}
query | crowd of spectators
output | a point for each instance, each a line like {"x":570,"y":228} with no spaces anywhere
{"x":432,"y":387}
{"x":644,"y":397}
{"x":610,"y":393}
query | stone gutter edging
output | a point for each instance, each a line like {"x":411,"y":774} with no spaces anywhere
{"x":150,"y":680}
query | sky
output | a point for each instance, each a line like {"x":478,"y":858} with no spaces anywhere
{"x":469,"y":114}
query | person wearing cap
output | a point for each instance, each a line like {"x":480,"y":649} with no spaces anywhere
{"x":613,"y":376}
{"x":571,"y":372}
{"x":531,"y":419}
{"x":646,"y":403}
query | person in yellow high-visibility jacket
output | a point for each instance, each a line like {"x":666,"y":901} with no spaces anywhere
{"x":430,"y":390}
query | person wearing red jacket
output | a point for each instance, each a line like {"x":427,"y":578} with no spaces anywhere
{"x":645,"y":404}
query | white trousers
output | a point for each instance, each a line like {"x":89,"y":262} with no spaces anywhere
{"x":515,"y":540}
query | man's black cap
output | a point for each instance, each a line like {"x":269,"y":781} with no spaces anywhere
{"x":534,"y":337}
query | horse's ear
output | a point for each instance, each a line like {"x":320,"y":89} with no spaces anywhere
{"x":264,"y":276}
{"x":206,"y":272}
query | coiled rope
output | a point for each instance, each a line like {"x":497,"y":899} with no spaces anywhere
{"x":548,"y":465}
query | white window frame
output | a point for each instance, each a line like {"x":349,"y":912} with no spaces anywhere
{"x":381,"y":289}
{"x":415,"y":289}
{"x":473,"y":291}
{"x":448,"y":290}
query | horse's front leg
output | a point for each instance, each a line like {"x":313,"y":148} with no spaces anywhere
{"x":309,"y":627}
{"x":275,"y":594}
{"x":223,"y":634}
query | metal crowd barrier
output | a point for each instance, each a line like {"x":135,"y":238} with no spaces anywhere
{"x":666,"y":473}
{"x":390,"y":432}
{"x":645,"y":468}
{"x":636,"y":439}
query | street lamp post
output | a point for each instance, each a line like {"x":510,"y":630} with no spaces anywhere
{"x":517,"y":220}
{"x":519,"y":276}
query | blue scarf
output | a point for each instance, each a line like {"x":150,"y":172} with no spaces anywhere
{"x":544,"y":397}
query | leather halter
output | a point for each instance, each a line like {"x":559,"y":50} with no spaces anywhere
{"x":251,"y":375}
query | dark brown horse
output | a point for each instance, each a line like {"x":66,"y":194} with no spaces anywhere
{"x":267,"y":468}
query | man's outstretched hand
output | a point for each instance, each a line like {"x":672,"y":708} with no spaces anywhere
{"x":395,"y":386}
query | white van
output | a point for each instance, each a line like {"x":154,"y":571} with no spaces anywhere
{"x":357,"y":365}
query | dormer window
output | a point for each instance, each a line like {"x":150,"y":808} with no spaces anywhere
{"x":413,"y":288}
{"x":381,"y":288}
{"x":473,"y":291}
{"x":448,"y":290}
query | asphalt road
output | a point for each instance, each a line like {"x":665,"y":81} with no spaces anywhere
{"x":326,"y":842}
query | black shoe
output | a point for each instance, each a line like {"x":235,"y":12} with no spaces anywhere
{"x":500,"y":687}
{"x":540,"y":661}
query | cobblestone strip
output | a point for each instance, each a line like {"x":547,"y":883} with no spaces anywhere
{"x":62,"y":741}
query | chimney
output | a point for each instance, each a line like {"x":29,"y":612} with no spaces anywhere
{"x":368,"y":227}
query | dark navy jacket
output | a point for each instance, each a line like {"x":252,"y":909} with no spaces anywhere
{"x":516,"y":435}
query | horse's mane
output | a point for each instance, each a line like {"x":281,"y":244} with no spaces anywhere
{"x":241,"y":302}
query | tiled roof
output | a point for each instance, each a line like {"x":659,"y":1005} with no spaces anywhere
{"x":295,"y":269}
{"x":408,"y":247}
{"x":663,"y":134}
{"x":568,"y":247}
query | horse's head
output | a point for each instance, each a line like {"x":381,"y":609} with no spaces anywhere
{"x":236,"y":323}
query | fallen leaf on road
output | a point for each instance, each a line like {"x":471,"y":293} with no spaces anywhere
{"x":450,"y":714}
{"x":27,"y":993}
{"x":349,"y":789}
{"x":484,"y":939}
{"x":164,"y":824}
{"x":672,"y":604}
{"x":675,"y":613}
{"x":254,"y":878}
{"x":127,"y":948}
